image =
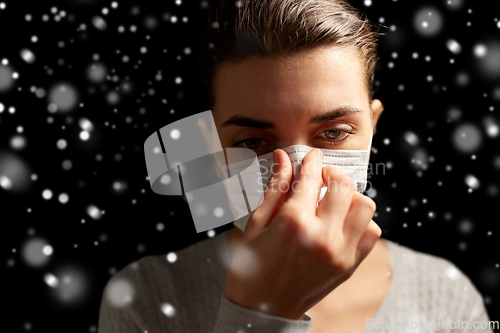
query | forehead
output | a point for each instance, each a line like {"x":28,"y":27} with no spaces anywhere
{"x":320,"y":78}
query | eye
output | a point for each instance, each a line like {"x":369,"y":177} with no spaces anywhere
{"x":335,"y":136}
{"x":332,"y":133}
{"x":252,"y":143}
{"x":335,"y":133}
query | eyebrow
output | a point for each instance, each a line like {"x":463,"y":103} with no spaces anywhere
{"x":334,"y":114}
{"x":244,"y":121}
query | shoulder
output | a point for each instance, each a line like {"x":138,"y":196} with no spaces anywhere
{"x":434,"y":285}
{"x":429,"y":267}
{"x":179,"y":290}
{"x":126,"y":289}
{"x":151,"y":279}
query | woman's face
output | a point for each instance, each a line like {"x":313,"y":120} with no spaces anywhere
{"x":317,"y":98}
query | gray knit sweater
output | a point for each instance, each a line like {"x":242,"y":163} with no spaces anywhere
{"x":161,"y":293}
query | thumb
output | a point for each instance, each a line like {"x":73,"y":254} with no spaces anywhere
{"x":274,"y":195}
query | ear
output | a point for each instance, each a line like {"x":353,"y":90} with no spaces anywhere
{"x":377,"y":107}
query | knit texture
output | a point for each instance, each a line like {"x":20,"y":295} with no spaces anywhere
{"x":153,"y":295}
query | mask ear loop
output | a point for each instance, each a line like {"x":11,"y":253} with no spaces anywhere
{"x":370,"y":143}
{"x":368,"y":154}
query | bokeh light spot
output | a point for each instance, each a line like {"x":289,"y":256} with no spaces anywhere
{"x":467,"y":138}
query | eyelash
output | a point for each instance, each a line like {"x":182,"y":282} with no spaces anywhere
{"x":328,"y":141}
{"x":247,"y":139}
{"x":336,"y":142}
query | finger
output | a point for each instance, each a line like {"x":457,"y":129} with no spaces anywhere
{"x":275,"y":191}
{"x":367,"y":241}
{"x":359,"y":216}
{"x":337,"y":200}
{"x":305,"y":191}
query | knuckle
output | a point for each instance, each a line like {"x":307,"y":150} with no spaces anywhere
{"x":341,"y":263}
{"x":288,"y":212}
{"x":364,"y":202}
{"x":369,"y":204}
{"x":338,"y":178}
{"x":325,"y":251}
{"x":290,"y":216}
{"x":338,"y":261}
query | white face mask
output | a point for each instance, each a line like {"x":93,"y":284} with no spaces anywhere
{"x":354,"y":163}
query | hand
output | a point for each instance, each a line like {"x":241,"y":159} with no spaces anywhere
{"x":294,"y":252}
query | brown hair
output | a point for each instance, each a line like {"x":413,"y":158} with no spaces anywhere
{"x":277,"y":29}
